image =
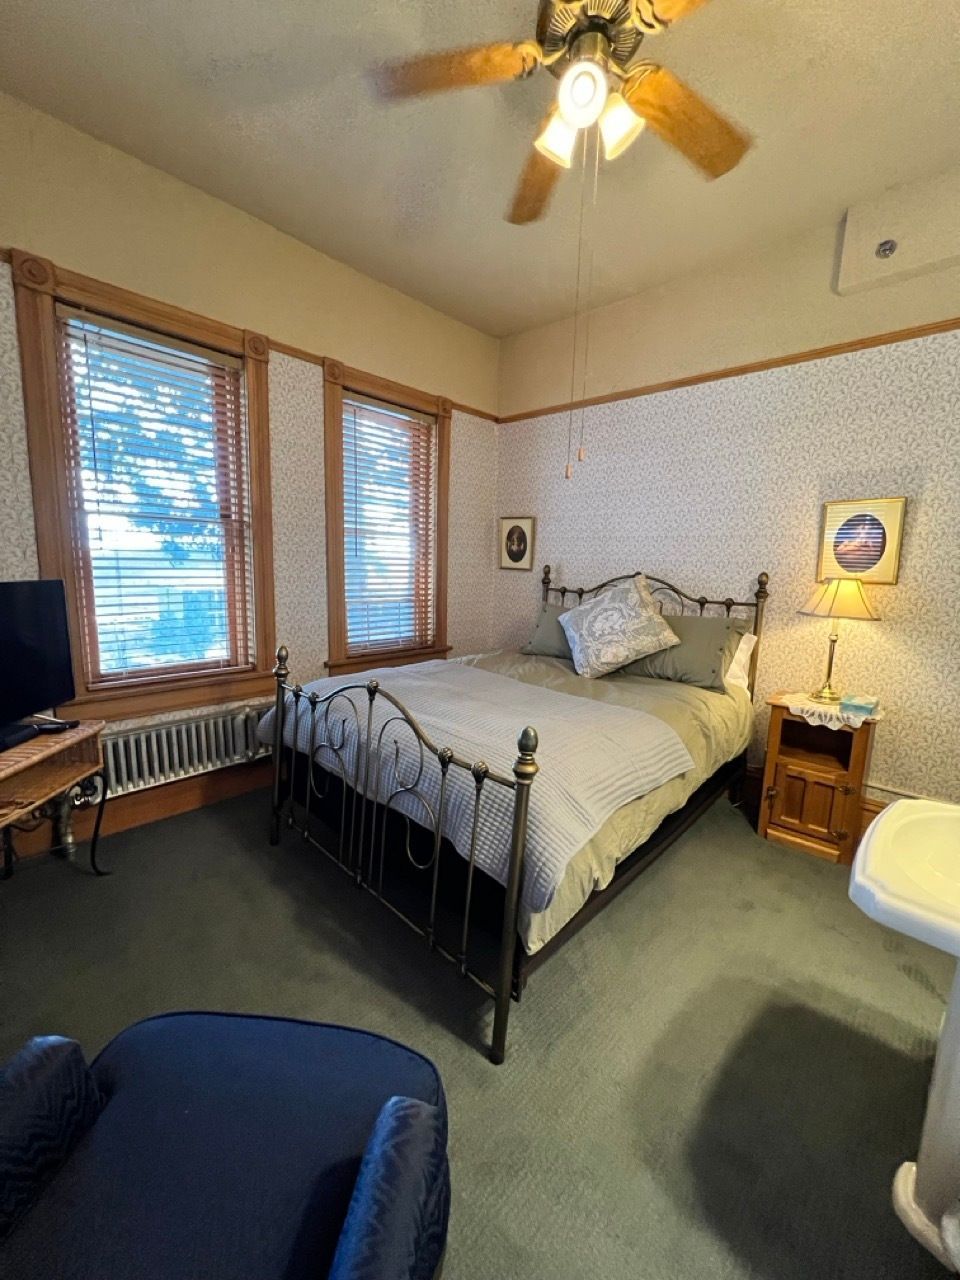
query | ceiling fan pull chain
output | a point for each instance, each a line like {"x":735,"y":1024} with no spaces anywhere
{"x":588,"y":292}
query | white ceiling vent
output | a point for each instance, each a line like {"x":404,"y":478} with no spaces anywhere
{"x":909,"y":230}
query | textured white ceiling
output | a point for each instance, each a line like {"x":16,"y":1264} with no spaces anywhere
{"x":265,"y":104}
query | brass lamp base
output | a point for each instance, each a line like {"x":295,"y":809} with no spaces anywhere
{"x":826,"y":692}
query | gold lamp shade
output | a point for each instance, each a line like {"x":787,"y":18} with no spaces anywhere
{"x":837,"y":598}
{"x":840,"y":598}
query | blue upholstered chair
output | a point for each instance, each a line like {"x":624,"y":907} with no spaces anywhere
{"x":202,"y":1145}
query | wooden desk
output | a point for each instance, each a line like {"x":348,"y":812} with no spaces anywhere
{"x":41,"y":778}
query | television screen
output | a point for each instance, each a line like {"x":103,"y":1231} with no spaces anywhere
{"x":35,"y":668}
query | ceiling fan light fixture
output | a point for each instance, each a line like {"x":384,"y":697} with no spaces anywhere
{"x":619,"y":126}
{"x":583,"y":93}
{"x":557,"y":141}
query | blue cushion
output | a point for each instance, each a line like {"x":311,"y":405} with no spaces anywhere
{"x":48,"y":1100}
{"x":397,"y":1221}
{"x":228,"y":1147}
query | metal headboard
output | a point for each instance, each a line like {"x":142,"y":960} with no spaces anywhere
{"x":674,"y":601}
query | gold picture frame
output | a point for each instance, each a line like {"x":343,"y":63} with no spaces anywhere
{"x":517,"y":537}
{"x":861,"y":538}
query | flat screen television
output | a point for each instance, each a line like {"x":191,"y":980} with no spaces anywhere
{"x":35,"y":668}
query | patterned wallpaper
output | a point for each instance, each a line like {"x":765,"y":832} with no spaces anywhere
{"x":707,"y":485}
{"x":473,"y":534}
{"x":299,"y":531}
{"x":18,"y":549}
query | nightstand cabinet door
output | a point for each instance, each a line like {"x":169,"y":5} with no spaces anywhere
{"x":808,"y":802}
{"x":813,"y":783}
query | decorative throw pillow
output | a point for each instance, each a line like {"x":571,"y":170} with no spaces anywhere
{"x":613,"y":629}
{"x":549,"y":639}
{"x":706,"y":650}
{"x":48,"y":1101}
{"x":738,"y":673}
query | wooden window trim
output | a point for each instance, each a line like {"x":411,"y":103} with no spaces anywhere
{"x":339,"y":379}
{"x":38,"y":286}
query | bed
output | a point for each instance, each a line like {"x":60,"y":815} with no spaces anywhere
{"x":407,"y":779}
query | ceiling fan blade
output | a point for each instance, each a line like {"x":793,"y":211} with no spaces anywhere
{"x":673,"y":10}
{"x":682,"y":118}
{"x":457,"y":69}
{"x":537,"y":180}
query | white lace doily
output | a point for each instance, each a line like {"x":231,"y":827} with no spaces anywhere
{"x":826,"y":713}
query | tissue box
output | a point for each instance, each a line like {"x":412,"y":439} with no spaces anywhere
{"x":860,"y":704}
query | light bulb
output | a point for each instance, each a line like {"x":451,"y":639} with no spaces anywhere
{"x":582,"y":94}
{"x":619,"y":126}
{"x":557,"y":141}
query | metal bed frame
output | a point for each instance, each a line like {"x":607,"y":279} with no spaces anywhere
{"x":348,"y":810}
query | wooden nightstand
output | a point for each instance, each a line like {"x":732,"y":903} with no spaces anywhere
{"x":813,"y":783}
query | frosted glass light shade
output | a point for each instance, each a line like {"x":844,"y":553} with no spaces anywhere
{"x":557,"y":141}
{"x":840,"y":598}
{"x":619,"y":126}
{"x":582,"y":94}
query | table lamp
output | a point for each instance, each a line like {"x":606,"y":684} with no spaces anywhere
{"x":837,"y":598}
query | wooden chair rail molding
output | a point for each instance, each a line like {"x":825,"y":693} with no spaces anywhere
{"x":631,"y":393}
{"x":740,"y":370}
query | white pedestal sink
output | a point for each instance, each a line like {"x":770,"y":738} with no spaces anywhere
{"x":907,"y":876}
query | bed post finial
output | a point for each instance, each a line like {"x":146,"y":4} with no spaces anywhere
{"x":545,"y":582}
{"x":281,"y":670}
{"x":525,"y":769}
{"x":760,"y":595}
{"x":280,"y":673}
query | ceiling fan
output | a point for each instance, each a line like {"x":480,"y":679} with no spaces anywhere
{"x":593,"y":48}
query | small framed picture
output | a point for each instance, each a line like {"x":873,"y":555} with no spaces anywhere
{"x":861,"y":539}
{"x":516,"y":541}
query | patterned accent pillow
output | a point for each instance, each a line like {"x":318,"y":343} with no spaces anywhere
{"x":396,"y":1224}
{"x":615,"y":628}
{"x":48,"y":1100}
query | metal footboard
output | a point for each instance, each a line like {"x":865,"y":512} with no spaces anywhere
{"x":372,"y":797}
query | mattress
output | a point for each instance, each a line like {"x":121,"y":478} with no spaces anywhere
{"x":594,"y":757}
{"x":701,"y":729}
{"x":714,"y":727}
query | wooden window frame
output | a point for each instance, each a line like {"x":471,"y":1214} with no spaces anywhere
{"x":38,"y":287}
{"x":338,"y":381}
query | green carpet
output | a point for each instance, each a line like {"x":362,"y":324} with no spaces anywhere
{"x":716,"y":1078}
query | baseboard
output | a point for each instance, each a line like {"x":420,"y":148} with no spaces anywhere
{"x":753,"y":784}
{"x":155,"y":803}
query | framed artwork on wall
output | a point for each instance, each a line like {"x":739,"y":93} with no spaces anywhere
{"x":516,"y":541}
{"x":861,"y":539}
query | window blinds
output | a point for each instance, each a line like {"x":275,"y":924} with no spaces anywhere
{"x":389,"y":517}
{"x":156,"y":452}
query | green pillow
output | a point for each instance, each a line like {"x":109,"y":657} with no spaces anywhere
{"x":706,"y":649}
{"x":549,"y":639}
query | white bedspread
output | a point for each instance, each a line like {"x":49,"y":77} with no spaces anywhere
{"x":594,"y":757}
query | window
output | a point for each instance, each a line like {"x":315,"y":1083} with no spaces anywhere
{"x":389,"y":526}
{"x":149,"y":458}
{"x":158,"y":495}
{"x":387,"y":462}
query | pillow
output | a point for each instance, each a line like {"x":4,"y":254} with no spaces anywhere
{"x":48,"y":1100}
{"x":396,"y":1224}
{"x":705,"y":651}
{"x":548,"y":639}
{"x":614,"y":628}
{"x":738,"y":672}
